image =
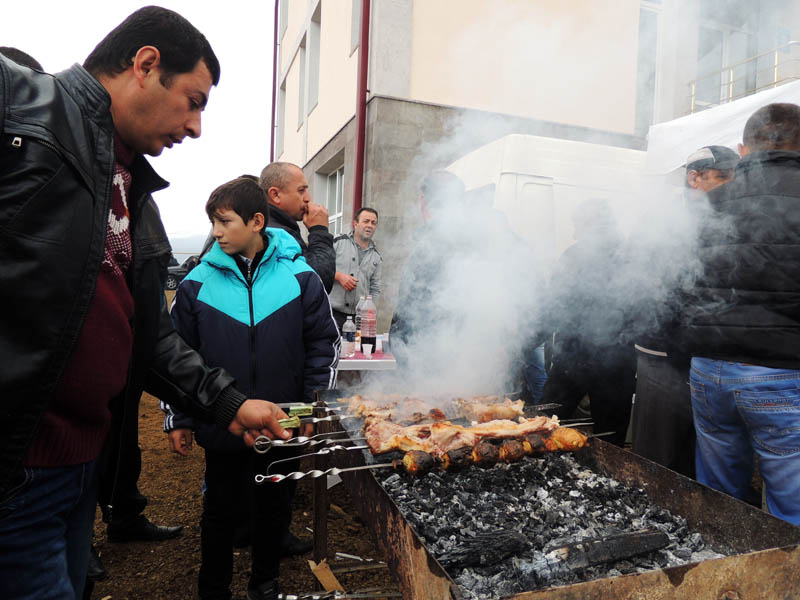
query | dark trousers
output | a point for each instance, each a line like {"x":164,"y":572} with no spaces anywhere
{"x":663,"y":428}
{"x":230,"y":493}
{"x":118,"y":492}
{"x":609,"y":386}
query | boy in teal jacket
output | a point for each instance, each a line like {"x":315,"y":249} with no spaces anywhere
{"x":254,"y":307}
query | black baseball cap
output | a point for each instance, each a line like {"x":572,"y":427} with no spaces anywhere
{"x":712,"y":157}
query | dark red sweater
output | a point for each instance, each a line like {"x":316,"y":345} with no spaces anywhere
{"x":75,"y":425}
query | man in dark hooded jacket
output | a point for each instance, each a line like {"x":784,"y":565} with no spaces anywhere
{"x":591,"y":353}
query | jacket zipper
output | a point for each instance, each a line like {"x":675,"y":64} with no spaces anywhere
{"x":252,"y":332}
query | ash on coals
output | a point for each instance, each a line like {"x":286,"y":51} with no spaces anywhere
{"x":492,"y":529}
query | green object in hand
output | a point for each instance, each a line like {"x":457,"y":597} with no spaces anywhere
{"x":292,"y":422}
{"x":301,"y":410}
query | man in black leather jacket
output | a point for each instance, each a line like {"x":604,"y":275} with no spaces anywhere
{"x":84,"y":254}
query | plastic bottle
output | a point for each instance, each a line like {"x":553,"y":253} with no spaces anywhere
{"x":359,"y":309}
{"x":348,"y":338}
{"x":369,"y":323}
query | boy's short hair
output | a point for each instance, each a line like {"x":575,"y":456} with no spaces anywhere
{"x":365,"y":209}
{"x":243,"y":196}
{"x":179,"y":42}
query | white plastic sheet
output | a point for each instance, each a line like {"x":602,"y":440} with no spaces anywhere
{"x":670,"y":143}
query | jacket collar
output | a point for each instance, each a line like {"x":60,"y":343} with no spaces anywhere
{"x":787,"y":157}
{"x":278,"y":218}
{"x":352,"y":236}
{"x":90,"y":96}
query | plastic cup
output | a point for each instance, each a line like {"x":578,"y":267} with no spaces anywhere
{"x":367,"y":350}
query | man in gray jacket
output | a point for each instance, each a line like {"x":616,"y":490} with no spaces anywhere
{"x":358,"y":266}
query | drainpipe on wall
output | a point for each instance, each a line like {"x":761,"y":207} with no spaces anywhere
{"x":274,"y":86}
{"x":361,"y":107}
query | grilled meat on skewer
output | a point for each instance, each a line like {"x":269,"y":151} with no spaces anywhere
{"x":409,"y":409}
{"x":484,"y":454}
{"x":416,"y":462}
{"x":442,"y":436}
{"x":511,"y":451}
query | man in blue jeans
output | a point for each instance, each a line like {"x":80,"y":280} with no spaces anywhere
{"x":743,"y":320}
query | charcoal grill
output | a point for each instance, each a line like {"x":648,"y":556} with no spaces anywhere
{"x":763,"y":558}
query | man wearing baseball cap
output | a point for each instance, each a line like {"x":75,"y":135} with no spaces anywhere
{"x":663,"y":427}
{"x":710,"y":167}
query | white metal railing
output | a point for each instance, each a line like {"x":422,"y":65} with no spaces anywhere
{"x":768,"y":69}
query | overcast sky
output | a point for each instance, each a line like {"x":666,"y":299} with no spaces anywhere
{"x":235,"y":137}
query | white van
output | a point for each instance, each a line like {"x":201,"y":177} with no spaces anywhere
{"x":539,"y":181}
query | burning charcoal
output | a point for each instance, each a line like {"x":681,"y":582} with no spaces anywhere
{"x":485,"y":549}
{"x":391,"y":481}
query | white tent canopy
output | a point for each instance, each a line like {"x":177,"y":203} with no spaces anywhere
{"x":670,"y":143}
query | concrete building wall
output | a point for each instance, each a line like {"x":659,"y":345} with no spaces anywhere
{"x":391,"y":38}
{"x":533,"y":59}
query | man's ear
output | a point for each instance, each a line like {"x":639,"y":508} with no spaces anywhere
{"x":743,"y":150}
{"x":147,"y":58}
{"x":691,"y":178}
{"x":272,"y":194}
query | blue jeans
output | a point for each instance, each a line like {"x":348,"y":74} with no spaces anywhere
{"x":742,"y":410}
{"x":534,"y":372}
{"x":46,"y":532}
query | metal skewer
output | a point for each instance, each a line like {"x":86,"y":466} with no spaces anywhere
{"x":541,"y":407}
{"x":262,"y":444}
{"x":326,"y":450}
{"x":605,"y":433}
{"x":314,"y":474}
{"x":336,"y":595}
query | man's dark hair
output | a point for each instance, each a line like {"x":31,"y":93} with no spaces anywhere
{"x":773,"y":127}
{"x":20,"y":57}
{"x":276,"y":174}
{"x":243,"y":196}
{"x":363,"y":209}
{"x":179,"y":42}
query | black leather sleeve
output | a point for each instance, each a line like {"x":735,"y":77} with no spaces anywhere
{"x":179,"y":376}
{"x":321,"y":256}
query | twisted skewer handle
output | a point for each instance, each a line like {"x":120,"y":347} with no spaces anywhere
{"x":315,"y":473}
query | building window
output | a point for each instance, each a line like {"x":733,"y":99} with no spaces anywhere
{"x":355,"y":25}
{"x":314,"y":32}
{"x":280,"y":121}
{"x":283,"y":17}
{"x":334,"y":199}
{"x":301,"y":88}
{"x":726,"y":39}
{"x":646,"y":70}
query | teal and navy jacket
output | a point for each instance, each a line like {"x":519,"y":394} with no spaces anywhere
{"x":276,"y":335}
